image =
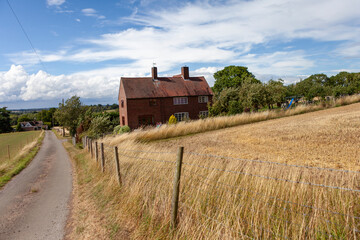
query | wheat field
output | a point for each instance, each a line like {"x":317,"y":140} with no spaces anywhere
{"x":232,"y":186}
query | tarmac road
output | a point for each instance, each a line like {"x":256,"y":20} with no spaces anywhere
{"x":35,"y":203}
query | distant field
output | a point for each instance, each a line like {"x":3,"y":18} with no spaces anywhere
{"x":16,"y":142}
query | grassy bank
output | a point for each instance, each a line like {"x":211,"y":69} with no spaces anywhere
{"x":13,"y":166}
{"x":96,"y":206}
{"x":215,"y":123}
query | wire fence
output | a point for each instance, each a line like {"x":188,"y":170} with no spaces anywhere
{"x":239,"y":198}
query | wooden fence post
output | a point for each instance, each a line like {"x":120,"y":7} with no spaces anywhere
{"x":102,"y":157}
{"x":9,"y":151}
{"x":176,"y":188}
{"x":117,"y":164}
{"x":91,"y":149}
{"x":96,"y":151}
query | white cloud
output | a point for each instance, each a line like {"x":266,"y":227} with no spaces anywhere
{"x":78,"y":20}
{"x":90,"y":12}
{"x":210,"y":34}
{"x":55,"y":2}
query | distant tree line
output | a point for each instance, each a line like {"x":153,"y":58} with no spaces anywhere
{"x":237,"y":90}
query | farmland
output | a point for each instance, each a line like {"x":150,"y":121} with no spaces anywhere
{"x":281,"y":178}
{"x":23,"y":147}
{"x":15,"y":141}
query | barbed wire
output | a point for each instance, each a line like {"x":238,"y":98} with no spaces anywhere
{"x":148,"y":159}
{"x":274,"y":163}
{"x":279,"y":199}
{"x":274,"y":178}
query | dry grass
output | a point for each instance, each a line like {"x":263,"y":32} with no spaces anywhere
{"x":224,"y":198}
{"x":215,"y":123}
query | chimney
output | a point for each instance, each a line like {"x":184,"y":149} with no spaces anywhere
{"x":154,"y":73}
{"x":185,"y":72}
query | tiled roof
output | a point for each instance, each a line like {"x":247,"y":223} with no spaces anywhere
{"x":147,"y":87}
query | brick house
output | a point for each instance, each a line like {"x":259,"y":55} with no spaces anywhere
{"x":33,"y":125}
{"x":152,"y":100}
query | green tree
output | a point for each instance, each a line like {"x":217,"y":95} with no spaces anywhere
{"x":275,"y":92}
{"x":68,"y":114}
{"x":226,"y":102}
{"x":5,"y":120}
{"x":232,"y":77}
{"x":100,"y":125}
{"x":252,"y":96}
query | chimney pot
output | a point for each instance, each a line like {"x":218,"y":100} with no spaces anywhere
{"x":185,"y":72}
{"x":154,"y":73}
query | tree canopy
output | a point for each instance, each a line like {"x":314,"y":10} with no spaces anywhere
{"x":232,"y":77}
{"x":68,"y":114}
{"x":5,"y":125}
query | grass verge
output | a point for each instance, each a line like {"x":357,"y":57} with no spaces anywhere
{"x":10,"y":169}
{"x":96,"y":212}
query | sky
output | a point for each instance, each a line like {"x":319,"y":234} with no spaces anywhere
{"x":83,"y":47}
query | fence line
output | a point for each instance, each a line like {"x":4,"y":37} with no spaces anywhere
{"x":274,"y":163}
{"x":92,"y":148}
{"x":273,"y":178}
{"x":279,"y":199}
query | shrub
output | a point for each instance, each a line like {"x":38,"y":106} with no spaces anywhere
{"x":99,"y":125}
{"x":121,"y":129}
{"x":172,"y":119}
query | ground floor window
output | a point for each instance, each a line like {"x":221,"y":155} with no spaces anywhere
{"x":146,"y":120}
{"x":123,"y":120}
{"x":203,"y":114}
{"x":180,"y":116}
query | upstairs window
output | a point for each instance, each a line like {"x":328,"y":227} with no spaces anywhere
{"x":203,"y":99}
{"x":180,"y":116}
{"x":180,"y":100}
{"x":122,"y":103}
{"x":152,"y":102}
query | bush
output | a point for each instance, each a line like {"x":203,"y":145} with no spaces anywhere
{"x":172,"y":119}
{"x":99,"y":125}
{"x":121,"y":129}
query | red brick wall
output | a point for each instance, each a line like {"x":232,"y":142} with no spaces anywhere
{"x":163,"y":109}
{"x":123,"y":109}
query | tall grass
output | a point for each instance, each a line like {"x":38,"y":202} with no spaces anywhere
{"x":225,"y":198}
{"x":215,"y":123}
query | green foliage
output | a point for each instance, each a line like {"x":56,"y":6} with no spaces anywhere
{"x":5,"y":125}
{"x":232,"y":77}
{"x":121,"y":129}
{"x":18,"y":127}
{"x":275,"y":92}
{"x":25,"y":118}
{"x":68,"y":114}
{"x":172,"y":119}
{"x":100,"y":125}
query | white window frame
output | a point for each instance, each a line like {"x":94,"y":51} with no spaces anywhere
{"x":180,"y":100}
{"x":204,"y":113}
{"x":203,"y":99}
{"x":180,"y":116}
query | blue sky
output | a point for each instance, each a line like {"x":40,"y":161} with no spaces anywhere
{"x":86,"y":46}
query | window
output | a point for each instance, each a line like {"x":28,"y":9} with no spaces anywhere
{"x":203,"y":99}
{"x":180,"y":100}
{"x":181,"y":116}
{"x":203,"y":114}
{"x":123,"y":120}
{"x":152,"y":102}
{"x":122,"y":103}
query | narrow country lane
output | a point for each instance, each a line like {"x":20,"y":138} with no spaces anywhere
{"x":35,"y":203}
